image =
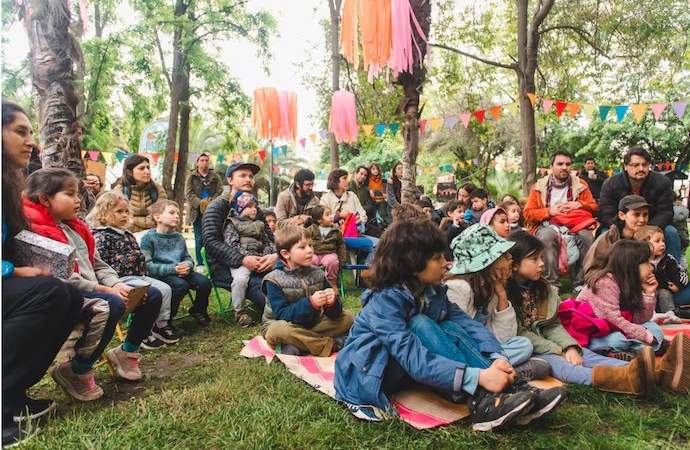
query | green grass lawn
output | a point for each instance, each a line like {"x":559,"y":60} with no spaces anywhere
{"x":202,"y":394}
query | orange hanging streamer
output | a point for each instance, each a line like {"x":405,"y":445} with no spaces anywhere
{"x":374,"y":20}
{"x":266,"y":112}
{"x":348,"y":32}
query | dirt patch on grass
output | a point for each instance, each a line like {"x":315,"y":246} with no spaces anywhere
{"x":171,"y":364}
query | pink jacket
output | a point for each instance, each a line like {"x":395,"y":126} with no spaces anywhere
{"x":606,"y":305}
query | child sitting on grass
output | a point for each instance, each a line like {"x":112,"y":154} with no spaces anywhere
{"x":328,"y":243}
{"x":536,"y":304}
{"x":242,"y":226}
{"x":479,"y":201}
{"x":408,"y":331}
{"x":51,"y":205}
{"x":673,"y":290}
{"x":303,"y":313}
{"x":497,"y":220}
{"x":119,"y":249}
{"x":168,"y":260}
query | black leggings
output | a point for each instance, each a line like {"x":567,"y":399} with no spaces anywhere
{"x":38,"y":315}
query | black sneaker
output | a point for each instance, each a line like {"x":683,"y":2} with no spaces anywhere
{"x":544,"y":401}
{"x":14,"y":435}
{"x":289,"y":349}
{"x":489,"y":411}
{"x":244,"y":319}
{"x":201,"y":317}
{"x":33,"y":409}
{"x":533,"y":369}
{"x":152,"y":343}
{"x":166,"y":334}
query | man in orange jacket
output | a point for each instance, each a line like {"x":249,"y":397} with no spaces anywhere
{"x":558,"y":196}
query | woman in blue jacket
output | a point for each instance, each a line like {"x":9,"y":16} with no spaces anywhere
{"x":409,"y":331}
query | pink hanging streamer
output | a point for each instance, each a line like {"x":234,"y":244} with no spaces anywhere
{"x":84,"y":14}
{"x":343,"y":123}
{"x":402,"y":58}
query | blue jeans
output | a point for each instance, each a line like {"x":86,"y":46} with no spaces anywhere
{"x":570,"y":373}
{"x":180,"y":287}
{"x":617,"y":342}
{"x":682,"y":297}
{"x":198,"y":243}
{"x":672,"y":241}
{"x":517,"y":349}
{"x":366,"y":243}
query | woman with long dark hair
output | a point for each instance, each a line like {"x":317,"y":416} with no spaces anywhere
{"x":38,"y":311}
{"x":137,"y":185}
{"x":394,"y":188}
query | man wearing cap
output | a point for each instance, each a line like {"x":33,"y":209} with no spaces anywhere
{"x":657,"y":190}
{"x":223,"y":256}
{"x":202,"y":187}
{"x":295,"y":203}
{"x":560,"y":198}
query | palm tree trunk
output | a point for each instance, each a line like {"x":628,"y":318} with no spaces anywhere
{"x":52,"y":49}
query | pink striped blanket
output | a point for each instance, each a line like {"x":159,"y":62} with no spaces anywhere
{"x":672,"y":330}
{"x":417,"y":406}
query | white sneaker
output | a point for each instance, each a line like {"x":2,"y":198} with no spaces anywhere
{"x":672,"y":318}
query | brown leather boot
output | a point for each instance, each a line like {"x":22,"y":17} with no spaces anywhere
{"x":636,"y":378}
{"x":674,"y":368}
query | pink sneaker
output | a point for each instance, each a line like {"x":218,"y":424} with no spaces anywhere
{"x":125,"y":364}
{"x":80,"y":386}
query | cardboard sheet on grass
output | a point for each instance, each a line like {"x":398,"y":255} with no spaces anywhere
{"x":417,"y":406}
{"x":671,"y":330}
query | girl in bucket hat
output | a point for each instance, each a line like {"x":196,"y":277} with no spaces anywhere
{"x":477,"y":285}
{"x":497,"y":219}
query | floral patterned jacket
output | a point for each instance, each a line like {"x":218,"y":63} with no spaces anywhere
{"x":119,"y":249}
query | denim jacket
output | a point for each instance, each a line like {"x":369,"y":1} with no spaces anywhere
{"x":380,"y":336}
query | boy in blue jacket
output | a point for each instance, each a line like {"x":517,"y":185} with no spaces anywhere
{"x":303,"y":313}
{"x":409,"y":331}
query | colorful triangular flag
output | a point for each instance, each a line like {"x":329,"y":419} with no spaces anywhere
{"x":422,"y":126}
{"x":312,"y":138}
{"x":465,"y":118}
{"x":93,"y":155}
{"x":560,"y":107}
{"x":657,"y":109}
{"x":546,"y":105}
{"x":532,"y":99}
{"x":367,"y":129}
{"x":379,"y":129}
{"x":262,"y":155}
{"x":83,"y":155}
{"x":495,"y":111}
{"x":284,"y":149}
{"x":451,"y":121}
{"x":588,"y":110}
{"x":638,"y":111}
{"x":604,"y":111}
{"x":323,"y":134}
{"x":679,"y":108}
{"x":573,"y":109}
{"x":513,"y":108}
{"x":479,"y":115}
{"x":620,"y":112}
{"x":435,"y":123}
{"x":303,"y":142}
{"x":394,"y":127}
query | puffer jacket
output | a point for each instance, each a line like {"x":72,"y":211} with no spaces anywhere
{"x":193,"y":189}
{"x":287,"y":205}
{"x":250,"y":232}
{"x":140,"y":200}
{"x":536,"y":211}
{"x":380,"y":336}
{"x":657,"y":189}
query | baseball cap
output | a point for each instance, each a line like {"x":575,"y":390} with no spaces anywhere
{"x":632,"y":202}
{"x":236,"y":166}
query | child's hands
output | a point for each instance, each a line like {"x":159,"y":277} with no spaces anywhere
{"x":498,"y":377}
{"x":182,"y":269}
{"x":330,"y":296}
{"x":122,"y":291}
{"x":251,"y":262}
{"x":27,"y":271}
{"x":573,"y":356}
{"x":318,"y":299}
{"x":671,"y":286}
{"x":650,"y":284}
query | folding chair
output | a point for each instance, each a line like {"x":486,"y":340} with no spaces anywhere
{"x":357,"y":269}
{"x":223,"y":311}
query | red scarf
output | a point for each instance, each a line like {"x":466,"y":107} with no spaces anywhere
{"x":41,"y":222}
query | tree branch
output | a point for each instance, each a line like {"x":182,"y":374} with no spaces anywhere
{"x":160,"y":53}
{"x":541,"y":13}
{"x":512,"y":66}
{"x":584,"y":35}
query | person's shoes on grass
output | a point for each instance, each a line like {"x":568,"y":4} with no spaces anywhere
{"x":152,"y":343}
{"x":364,"y":412}
{"x":533,"y":369}
{"x":201,"y":317}
{"x":543,"y":401}
{"x":126,"y":364}
{"x":82,"y":387}
{"x":244,"y":319}
{"x":489,"y":411}
{"x":33,"y":409}
{"x":166,"y":334}
{"x":289,"y":349}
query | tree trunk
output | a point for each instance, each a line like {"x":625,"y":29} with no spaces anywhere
{"x":181,"y":171}
{"x":52,"y":72}
{"x":176,"y":88}
{"x":98,"y":19}
{"x":334,"y":6}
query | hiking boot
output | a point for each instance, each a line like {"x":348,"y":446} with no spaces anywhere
{"x":636,"y":378}
{"x":14,"y":434}
{"x":126,"y":364}
{"x":80,"y":386}
{"x":489,"y":411}
{"x":33,"y":409}
{"x":244,"y":319}
{"x":201,"y":317}
{"x":674,"y":368}
{"x":544,"y":401}
{"x":166,"y":334}
{"x":152,"y":343}
{"x":533,"y":369}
